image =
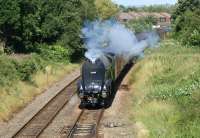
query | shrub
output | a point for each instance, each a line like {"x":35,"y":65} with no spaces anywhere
{"x":8,"y":71}
{"x":55,"y":53}
{"x":12,"y":70}
{"x":28,"y":67}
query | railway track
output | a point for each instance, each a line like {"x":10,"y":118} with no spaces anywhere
{"x":41,"y":120}
{"x":86,"y":126}
{"x":86,"y":122}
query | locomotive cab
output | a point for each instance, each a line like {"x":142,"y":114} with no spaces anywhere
{"x":96,"y":82}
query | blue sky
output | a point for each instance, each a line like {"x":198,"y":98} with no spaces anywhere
{"x":143,"y":2}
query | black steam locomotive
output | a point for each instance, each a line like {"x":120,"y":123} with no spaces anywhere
{"x":97,"y":80}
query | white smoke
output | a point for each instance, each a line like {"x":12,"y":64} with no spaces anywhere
{"x":112,"y":37}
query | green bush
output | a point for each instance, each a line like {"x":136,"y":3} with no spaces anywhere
{"x":30,"y":66}
{"x":12,"y":70}
{"x":54,"y":53}
{"x":8,"y":71}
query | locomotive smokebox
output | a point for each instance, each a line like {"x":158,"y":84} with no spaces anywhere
{"x":97,"y":77}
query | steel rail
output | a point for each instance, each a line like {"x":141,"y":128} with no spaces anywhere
{"x":91,"y":116}
{"x":41,"y":120}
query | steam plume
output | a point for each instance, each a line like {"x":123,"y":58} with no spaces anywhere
{"x":112,"y":37}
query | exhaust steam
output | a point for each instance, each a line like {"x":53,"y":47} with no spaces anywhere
{"x":110,"y":36}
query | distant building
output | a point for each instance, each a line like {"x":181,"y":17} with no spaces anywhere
{"x":163,"y":19}
{"x":124,"y":17}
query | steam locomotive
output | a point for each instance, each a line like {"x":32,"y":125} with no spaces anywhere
{"x":97,"y":80}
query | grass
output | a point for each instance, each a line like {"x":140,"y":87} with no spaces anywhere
{"x":14,"y":98}
{"x":166,"y":92}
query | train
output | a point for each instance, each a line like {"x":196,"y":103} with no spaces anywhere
{"x":98,"y":77}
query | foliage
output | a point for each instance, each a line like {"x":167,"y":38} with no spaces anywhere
{"x":30,"y":66}
{"x":168,"y":105}
{"x":12,"y":70}
{"x":184,"y":5}
{"x":187,"y":21}
{"x":152,"y":8}
{"x":8,"y":71}
{"x":142,"y":24}
{"x":105,"y":9}
{"x":54,"y":53}
{"x":20,"y":93}
{"x":25,"y":23}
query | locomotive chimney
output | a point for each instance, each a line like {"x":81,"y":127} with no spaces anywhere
{"x":92,"y":60}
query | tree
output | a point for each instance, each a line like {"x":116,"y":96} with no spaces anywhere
{"x":106,"y":8}
{"x":26,"y":23}
{"x":186,"y":23}
{"x":9,"y":21}
{"x":152,"y":8}
{"x":183,"y":5}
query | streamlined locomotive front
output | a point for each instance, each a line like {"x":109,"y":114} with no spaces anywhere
{"x":95,"y":86}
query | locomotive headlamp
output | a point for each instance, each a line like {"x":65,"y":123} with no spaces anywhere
{"x":80,"y":87}
{"x":97,"y":87}
{"x":104,"y":88}
{"x":104,"y":94}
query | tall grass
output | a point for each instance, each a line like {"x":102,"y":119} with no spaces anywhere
{"x":22,"y":77}
{"x":166,"y":91}
{"x":17,"y":96}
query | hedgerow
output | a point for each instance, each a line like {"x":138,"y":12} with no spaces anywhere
{"x":12,"y":70}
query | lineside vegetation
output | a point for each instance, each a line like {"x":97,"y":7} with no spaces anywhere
{"x":166,"y":82}
{"x":166,"y":85}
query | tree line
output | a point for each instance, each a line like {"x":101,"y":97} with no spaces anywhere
{"x":152,"y":8}
{"x":26,"y":23}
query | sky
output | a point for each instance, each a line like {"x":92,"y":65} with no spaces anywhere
{"x":143,"y":2}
